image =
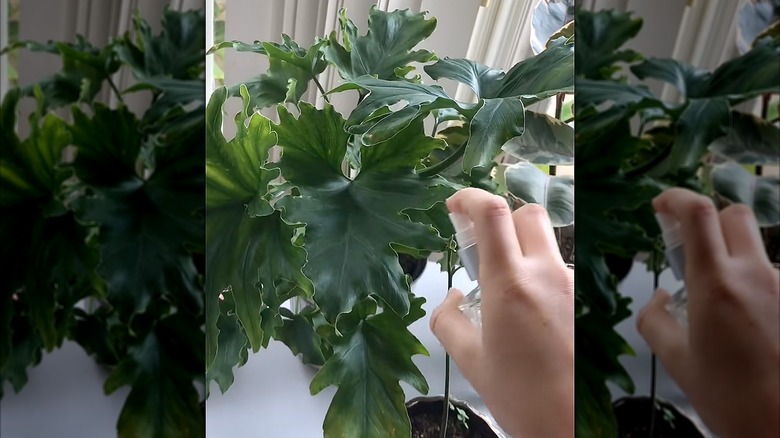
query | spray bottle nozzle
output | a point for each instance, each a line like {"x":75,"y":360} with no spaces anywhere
{"x":671,"y":233}
{"x":467,"y":243}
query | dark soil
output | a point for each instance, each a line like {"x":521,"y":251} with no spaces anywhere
{"x":633,"y":417}
{"x":428,"y":425}
{"x":412,"y":266}
{"x":426,"y":422}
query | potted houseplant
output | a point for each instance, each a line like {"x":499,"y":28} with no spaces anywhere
{"x":102,"y":221}
{"x":630,"y":146}
{"x":326,"y":221}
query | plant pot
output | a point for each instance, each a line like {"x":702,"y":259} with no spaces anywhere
{"x":426,"y":413}
{"x":412,"y":266}
{"x":633,"y":419}
{"x":771,"y":236}
{"x":618,"y":266}
{"x":565,"y":238}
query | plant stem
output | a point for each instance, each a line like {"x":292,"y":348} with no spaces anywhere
{"x":116,"y":90}
{"x":445,"y":416}
{"x":322,"y":90}
{"x":435,"y":127}
{"x":443,"y":164}
{"x":558,"y":109}
{"x":653,"y":360}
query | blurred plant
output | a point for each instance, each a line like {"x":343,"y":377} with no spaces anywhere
{"x":101,"y":219}
{"x":630,"y":145}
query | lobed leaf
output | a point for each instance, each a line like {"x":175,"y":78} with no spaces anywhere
{"x":387,"y":47}
{"x":353,"y":225}
{"x":554,"y":193}
{"x":762,"y":194}
{"x":367,"y":364}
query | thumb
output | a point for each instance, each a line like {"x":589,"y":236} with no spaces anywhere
{"x":664,"y":335}
{"x":461,"y":339}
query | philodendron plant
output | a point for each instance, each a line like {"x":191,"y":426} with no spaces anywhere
{"x":326,"y":221}
{"x":101,"y":219}
{"x":630,"y":146}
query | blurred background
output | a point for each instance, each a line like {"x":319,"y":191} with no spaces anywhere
{"x":64,"y":393}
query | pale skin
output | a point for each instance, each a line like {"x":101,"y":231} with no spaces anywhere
{"x":522,"y":361}
{"x":727,"y":360}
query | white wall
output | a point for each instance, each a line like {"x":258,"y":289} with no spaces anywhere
{"x":63,"y":398}
{"x":64,"y":394}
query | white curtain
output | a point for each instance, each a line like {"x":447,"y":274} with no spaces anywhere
{"x":493,"y":32}
{"x":97,"y":20}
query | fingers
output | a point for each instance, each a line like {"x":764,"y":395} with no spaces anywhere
{"x":667,"y":339}
{"x":492,"y":224}
{"x":535,"y":233}
{"x":740,"y":231}
{"x":703,"y":242}
{"x":457,"y":334}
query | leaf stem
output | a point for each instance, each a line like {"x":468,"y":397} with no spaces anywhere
{"x":322,"y":90}
{"x":443,"y":164}
{"x":116,"y":90}
{"x":653,"y":360}
{"x":445,"y":416}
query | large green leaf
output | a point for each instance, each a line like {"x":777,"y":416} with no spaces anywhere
{"x":536,"y":78}
{"x":28,"y":169}
{"x":240,"y":46}
{"x":761,"y":194}
{"x":177,"y":52}
{"x":749,"y":140}
{"x":141,"y":255}
{"x":178,"y":108}
{"x":352,"y":225}
{"x":479,"y":77}
{"x":291,"y":68}
{"x":554,"y":193}
{"x":240,"y":225}
{"x":691,"y":81}
{"x":367,"y":364}
{"x":496,"y":122}
{"x":599,"y":36}
{"x":237,"y":257}
{"x":231,"y":348}
{"x":298,"y":333}
{"x":602,"y":227}
{"x":84,"y":69}
{"x":702,"y":121}
{"x":545,"y":140}
{"x":44,"y":250}
{"x":616,"y":103}
{"x":597,"y":347}
{"x":385,"y":50}
{"x":26,"y":352}
{"x":373,"y":119}
{"x":163,"y":401}
{"x":754,"y":73}
{"x":544,"y":75}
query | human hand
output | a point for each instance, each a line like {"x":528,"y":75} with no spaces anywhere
{"x":728,"y":359}
{"x":522,"y":360}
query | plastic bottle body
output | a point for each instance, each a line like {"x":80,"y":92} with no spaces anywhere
{"x":471,"y":306}
{"x":675,"y":256}
{"x":678,"y":306}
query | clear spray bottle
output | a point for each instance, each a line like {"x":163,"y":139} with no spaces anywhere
{"x":469,"y":259}
{"x":671,"y":233}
